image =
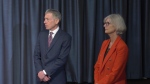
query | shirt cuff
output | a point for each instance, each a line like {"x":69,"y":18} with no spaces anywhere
{"x":44,"y":72}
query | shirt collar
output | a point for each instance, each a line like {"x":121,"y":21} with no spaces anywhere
{"x":54,"y":31}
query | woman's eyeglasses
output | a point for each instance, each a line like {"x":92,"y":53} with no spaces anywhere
{"x":106,"y":23}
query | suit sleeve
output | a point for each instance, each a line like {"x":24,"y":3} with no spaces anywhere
{"x":119,"y":66}
{"x":37,"y":56}
{"x":96,"y":73}
{"x":62,"y":58}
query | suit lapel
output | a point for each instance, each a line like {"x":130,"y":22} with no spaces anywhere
{"x":58,"y":34}
{"x":46,"y":41}
{"x":109,"y":54}
{"x":103,"y":52}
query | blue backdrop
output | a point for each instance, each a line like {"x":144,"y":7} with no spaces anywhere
{"x":21,"y":21}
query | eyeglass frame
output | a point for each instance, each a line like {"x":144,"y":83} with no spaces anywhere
{"x":107,"y":23}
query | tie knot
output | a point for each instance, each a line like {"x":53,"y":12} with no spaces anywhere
{"x":50,"y":33}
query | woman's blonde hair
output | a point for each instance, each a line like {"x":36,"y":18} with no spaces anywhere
{"x":118,"y":22}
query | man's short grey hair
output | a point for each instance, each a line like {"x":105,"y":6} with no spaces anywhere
{"x":55,"y":13}
{"x":118,"y":21}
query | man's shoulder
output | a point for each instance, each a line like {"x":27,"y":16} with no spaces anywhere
{"x":65,"y":33}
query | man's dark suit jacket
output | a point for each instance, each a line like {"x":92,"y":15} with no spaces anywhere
{"x":52,"y":59}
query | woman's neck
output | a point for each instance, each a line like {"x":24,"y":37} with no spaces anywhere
{"x":112,"y":39}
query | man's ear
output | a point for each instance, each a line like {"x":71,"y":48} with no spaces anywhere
{"x":56,"y":21}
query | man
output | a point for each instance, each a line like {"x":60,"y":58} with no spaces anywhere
{"x":51,"y":51}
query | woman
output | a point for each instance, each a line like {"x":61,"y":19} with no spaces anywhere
{"x":111,"y":63}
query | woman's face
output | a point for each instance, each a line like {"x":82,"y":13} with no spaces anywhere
{"x":109,"y":27}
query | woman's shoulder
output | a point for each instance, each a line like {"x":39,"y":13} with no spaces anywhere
{"x":122,"y":44}
{"x":106,"y":41}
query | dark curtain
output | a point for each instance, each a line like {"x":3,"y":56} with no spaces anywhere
{"x":22,"y":20}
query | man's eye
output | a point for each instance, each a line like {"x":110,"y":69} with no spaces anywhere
{"x":46,"y":19}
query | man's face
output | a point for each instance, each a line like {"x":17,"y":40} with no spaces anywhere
{"x":50,"y":21}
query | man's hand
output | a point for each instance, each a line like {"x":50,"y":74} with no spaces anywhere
{"x":46,"y":78}
{"x":41,"y":75}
